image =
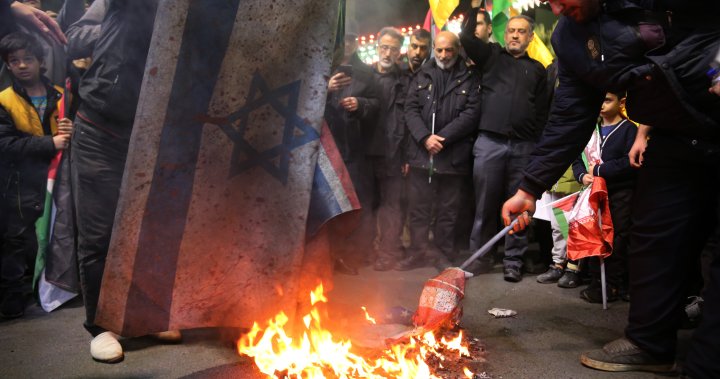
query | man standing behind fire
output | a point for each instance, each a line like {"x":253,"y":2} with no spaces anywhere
{"x":418,"y":52}
{"x":350,"y":109}
{"x":514,"y":110}
{"x":386,"y":147}
{"x":441,"y":112}
{"x":660,"y":52}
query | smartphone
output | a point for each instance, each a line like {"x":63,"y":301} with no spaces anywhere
{"x":346,"y":69}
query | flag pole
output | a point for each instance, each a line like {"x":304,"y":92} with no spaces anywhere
{"x":603,"y":283}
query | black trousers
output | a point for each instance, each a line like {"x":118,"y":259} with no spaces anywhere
{"x":497,"y":171}
{"x":674,"y":210}
{"x":616,"y":266}
{"x":98,"y":161}
{"x":18,"y":244}
{"x":444,"y":194}
{"x":389,"y":183}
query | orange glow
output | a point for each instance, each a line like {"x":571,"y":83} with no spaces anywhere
{"x":317,"y":354}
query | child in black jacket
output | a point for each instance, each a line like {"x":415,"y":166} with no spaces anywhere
{"x":30,"y":136}
{"x":617,"y":135}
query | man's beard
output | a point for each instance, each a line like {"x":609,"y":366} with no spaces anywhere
{"x":448,"y":65}
{"x":385,"y":65}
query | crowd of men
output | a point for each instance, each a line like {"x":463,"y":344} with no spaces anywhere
{"x":460,"y":118}
{"x":420,"y":135}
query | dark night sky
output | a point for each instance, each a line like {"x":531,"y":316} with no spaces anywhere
{"x":371,"y":15}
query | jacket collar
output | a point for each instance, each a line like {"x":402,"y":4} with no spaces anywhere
{"x":52,"y":94}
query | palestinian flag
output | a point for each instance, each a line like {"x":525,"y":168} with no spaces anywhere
{"x":561,"y":211}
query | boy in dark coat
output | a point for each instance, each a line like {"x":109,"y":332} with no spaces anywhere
{"x":30,"y":136}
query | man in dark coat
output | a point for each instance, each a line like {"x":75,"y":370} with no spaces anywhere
{"x":660,"y":52}
{"x":386,"y":149}
{"x":441,"y":112}
{"x":350,"y":110}
{"x":514,"y":110}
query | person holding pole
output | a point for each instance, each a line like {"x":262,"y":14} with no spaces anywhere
{"x":660,"y":52}
{"x":446,"y":91}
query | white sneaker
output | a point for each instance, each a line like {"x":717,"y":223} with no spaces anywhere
{"x":170,"y":336}
{"x":106,"y":348}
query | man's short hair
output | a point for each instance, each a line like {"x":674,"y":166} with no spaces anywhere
{"x":421,"y":34}
{"x":619,"y":94}
{"x":20,"y":41}
{"x":392,"y":32}
{"x":529,"y":20}
{"x":486,"y":15}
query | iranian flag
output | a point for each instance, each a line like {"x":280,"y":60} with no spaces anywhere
{"x":584,"y":219}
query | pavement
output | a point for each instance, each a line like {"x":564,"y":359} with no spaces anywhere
{"x":552,"y":327}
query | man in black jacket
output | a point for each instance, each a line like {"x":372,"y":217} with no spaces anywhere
{"x":514,"y":109}
{"x":350,"y":109}
{"x":386,"y":147}
{"x":660,"y":53}
{"x":441,"y":112}
{"x":109,"y":91}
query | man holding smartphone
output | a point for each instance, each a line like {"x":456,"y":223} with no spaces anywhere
{"x":350,"y":110}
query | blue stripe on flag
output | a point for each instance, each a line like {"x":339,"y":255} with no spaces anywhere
{"x":205,"y":39}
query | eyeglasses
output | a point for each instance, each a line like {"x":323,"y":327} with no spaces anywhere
{"x":27,"y":60}
{"x":385,"y":48}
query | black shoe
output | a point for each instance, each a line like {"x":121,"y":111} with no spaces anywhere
{"x":512,"y":274}
{"x":344,"y":268}
{"x":479,"y":267}
{"x":570,"y":279}
{"x":552,"y":275}
{"x":623,"y":355}
{"x":593,"y":294}
{"x":384,"y":264}
{"x":410,"y":263}
{"x":13,"y":305}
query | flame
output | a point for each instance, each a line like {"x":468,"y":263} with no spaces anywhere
{"x":367,"y":316}
{"x":468,"y":373}
{"x":316,"y":354}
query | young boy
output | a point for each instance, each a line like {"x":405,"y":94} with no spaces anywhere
{"x":30,"y":136}
{"x":617,"y":136}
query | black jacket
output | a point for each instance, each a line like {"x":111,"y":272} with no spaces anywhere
{"x":352,"y":131}
{"x":388,"y":139}
{"x":456,"y":113}
{"x":110,"y":88}
{"x":665,"y":78}
{"x":24,"y":160}
{"x":615,"y":168}
{"x":514,"y":93}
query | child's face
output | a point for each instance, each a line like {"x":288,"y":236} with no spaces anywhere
{"x":24,"y":66}
{"x":611,"y":106}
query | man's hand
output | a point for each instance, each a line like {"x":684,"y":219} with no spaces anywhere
{"x":522,"y":204}
{"x":39,"y":20}
{"x":587,"y":179}
{"x":638,"y":148}
{"x":338,"y":82}
{"x":715,"y":88}
{"x":61,"y":141}
{"x":433,"y":144}
{"x":65,"y":126}
{"x":350,"y":104}
{"x":405,"y":170}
